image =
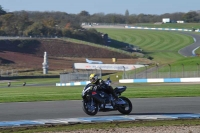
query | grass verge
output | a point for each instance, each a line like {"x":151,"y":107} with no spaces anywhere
{"x":55,"y":93}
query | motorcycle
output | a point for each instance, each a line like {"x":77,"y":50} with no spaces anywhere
{"x":95,"y":101}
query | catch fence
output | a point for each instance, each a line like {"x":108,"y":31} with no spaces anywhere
{"x":146,"y":72}
{"x":167,"y":71}
{"x":78,"y":76}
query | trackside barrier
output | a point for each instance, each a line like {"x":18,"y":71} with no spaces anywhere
{"x":145,"y":28}
{"x":29,"y":123}
{"x":73,"y":83}
{"x":153,"y":80}
{"x":159,"y":80}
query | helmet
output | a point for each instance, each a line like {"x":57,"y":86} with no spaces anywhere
{"x":93,"y":78}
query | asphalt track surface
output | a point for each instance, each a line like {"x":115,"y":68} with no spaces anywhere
{"x":73,"y":109}
{"x":189,"y":50}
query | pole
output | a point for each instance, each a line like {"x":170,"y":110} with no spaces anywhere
{"x":157,"y":75}
{"x":198,"y":69}
{"x":100,"y":72}
{"x":124,"y":73}
{"x":169,"y":70}
{"x":146,"y":72}
{"x":183,"y":70}
{"x":135,"y":73}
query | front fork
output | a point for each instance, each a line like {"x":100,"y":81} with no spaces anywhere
{"x":92,"y":102}
{"x":91,"y":106}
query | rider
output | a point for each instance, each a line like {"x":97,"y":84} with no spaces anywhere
{"x":97,"y":81}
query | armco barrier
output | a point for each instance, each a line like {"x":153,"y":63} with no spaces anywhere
{"x":73,"y":83}
{"x":145,"y":28}
{"x":153,"y":80}
{"x":159,"y":80}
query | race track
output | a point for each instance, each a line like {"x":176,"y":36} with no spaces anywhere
{"x":190,"y":49}
{"x":186,"y":51}
{"x":73,"y":109}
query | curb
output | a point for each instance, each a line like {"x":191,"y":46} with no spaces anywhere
{"x":160,"y":80}
{"x":97,"y":119}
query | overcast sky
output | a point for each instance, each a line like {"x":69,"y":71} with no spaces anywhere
{"x":103,"y":6}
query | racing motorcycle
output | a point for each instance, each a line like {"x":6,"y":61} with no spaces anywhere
{"x":95,"y":101}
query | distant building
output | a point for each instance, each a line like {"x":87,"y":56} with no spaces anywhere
{"x":158,"y":23}
{"x":83,"y":24}
{"x":180,"y":21}
{"x":197,"y":30}
{"x":166,"y":20}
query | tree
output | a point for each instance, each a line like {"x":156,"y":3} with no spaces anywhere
{"x":50,"y":22}
{"x":2,"y":12}
{"x":126,"y":13}
{"x":9,"y":24}
{"x":84,"y":13}
{"x":68,"y":25}
{"x":127,"y":16}
{"x":190,"y":17}
{"x":36,"y":29}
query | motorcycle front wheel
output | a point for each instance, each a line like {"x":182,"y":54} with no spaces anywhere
{"x":125,"y":108}
{"x":90,"y":109}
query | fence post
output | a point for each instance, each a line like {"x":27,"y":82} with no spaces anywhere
{"x":169,"y":70}
{"x":183,"y":70}
{"x":100,"y":72}
{"x":135,"y":73}
{"x":146,"y":72}
{"x":87,"y":74}
{"x":124,"y":72}
{"x":157,"y":75}
{"x":96,"y":69}
{"x":198,"y":69}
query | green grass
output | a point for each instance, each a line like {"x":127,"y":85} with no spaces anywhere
{"x":170,"y":25}
{"x":19,"y":82}
{"x":163,"y":46}
{"x":53,"y":93}
{"x":98,"y":45}
{"x":197,"y":51}
{"x":150,"y":91}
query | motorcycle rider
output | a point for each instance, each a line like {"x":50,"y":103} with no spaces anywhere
{"x":94,"y":79}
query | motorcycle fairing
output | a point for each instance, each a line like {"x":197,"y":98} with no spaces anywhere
{"x":120,"y":89}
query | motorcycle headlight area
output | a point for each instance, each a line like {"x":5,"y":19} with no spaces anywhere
{"x":85,"y":90}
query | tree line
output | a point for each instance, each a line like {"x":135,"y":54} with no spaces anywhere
{"x":51,"y":24}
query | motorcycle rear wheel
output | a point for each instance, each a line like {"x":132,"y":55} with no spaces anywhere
{"x":88,"y":109}
{"x":125,"y":108}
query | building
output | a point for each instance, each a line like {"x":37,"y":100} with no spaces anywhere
{"x":166,"y":20}
{"x":180,"y":21}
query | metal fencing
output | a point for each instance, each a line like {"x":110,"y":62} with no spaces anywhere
{"x":78,"y":76}
{"x":141,"y":73}
{"x":168,"y":71}
{"x":7,"y":73}
{"x":146,"y":74}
